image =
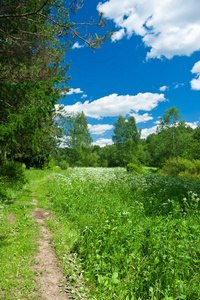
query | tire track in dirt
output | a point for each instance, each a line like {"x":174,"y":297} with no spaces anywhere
{"x":50,"y":276}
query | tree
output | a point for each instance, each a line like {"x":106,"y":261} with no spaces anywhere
{"x":170,"y":119}
{"x":76,"y":129}
{"x":193,"y":149}
{"x":171,"y":127}
{"x":126,"y":137}
{"x":76,"y":136}
{"x":171,"y":139}
{"x":24,"y":23}
{"x":34,"y":35}
{"x":26,"y":119}
{"x":30,"y":59}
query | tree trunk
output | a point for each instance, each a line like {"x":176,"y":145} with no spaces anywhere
{"x":4,"y":155}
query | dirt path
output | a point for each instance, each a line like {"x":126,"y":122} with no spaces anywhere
{"x":50,"y":275}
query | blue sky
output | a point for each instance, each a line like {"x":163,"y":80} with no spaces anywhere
{"x":151,"y":64}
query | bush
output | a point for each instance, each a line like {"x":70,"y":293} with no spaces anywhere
{"x":189,"y":176}
{"x":149,"y":170}
{"x":133,"y":168}
{"x":175,"y":166}
{"x":12,"y":178}
{"x":13,"y":171}
{"x":183,"y":168}
{"x":105,"y":163}
{"x":49,"y":164}
{"x":56,"y":169}
{"x":197,"y":166}
{"x":63,"y":164}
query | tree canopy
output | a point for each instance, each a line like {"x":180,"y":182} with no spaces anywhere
{"x":34,"y":36}
{"x":126,"y":138}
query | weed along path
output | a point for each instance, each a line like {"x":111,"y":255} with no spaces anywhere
{"x":50,"y":276}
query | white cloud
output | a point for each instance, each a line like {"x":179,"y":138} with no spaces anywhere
{"x":146,"y":131}
{"x":177,"y":85}
{"x":195,"y":83}
{"x":103,"y":142}
{"x":196,"y":68}
{"x":65,"y":140}
{"x":141,"y":118}
{"x":84,"y":96}
{"x":114,"y":105}
{"x":163,"y":88}
{"x":99,"y":128}
{"x":118,"y":35}
{"x":77,"y":46}
{"x":168,"y":27}
{"x":75,"y":91}
{"x":193,"y":125}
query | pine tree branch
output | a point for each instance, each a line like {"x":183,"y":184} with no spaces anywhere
{"x":25,"y":14}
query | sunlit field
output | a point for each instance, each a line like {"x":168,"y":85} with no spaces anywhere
{"x":137,"y":236}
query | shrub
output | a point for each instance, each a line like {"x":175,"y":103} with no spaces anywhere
{"x":56,"y":169}
{"x":133,"y":168}
{"x":13,"y":171}
{"x":12,"y":178}
{"x":63,"y":164}
{"x":105,"y":163}
{"x":95,"y":165}
{"x":49,"y":164}
{"x":183,"y":168}
{"x":189,"y":176}
{"x":197,"y":166}
{"x":149,"y":170}
{"x":175,"y":166}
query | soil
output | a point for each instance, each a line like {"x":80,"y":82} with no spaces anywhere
{"x":11,"y":218}
{"x":50,"y":276}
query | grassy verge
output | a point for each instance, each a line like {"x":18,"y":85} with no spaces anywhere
{"x":137,"y":236}
{"x":18,"y":235}
{"x":18,"y":240}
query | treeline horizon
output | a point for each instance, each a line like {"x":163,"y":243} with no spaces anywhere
{"x":72,"y":144}
{"x":173,"y":138}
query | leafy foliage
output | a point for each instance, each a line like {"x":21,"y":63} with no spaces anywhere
{"x":63,"y":164}
{"x":173,"y":139}
{"x":126,"y":138}
{"x":34,"y":38}
{"x":76,"y":131}
{"x":182,"y":167}
{"x":13,"y":171}
{"x":12,"y":178}
{"x":133,"y":168}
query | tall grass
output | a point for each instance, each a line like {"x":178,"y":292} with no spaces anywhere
{"x":137,"y":236}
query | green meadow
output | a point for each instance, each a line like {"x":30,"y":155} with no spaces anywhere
{"x":126,"y":236}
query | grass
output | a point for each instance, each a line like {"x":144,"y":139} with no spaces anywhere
{"x":18,"y":239}
{"x":123,"y":236}
{"x":18,"y":235}
{"x":137,"y":237}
